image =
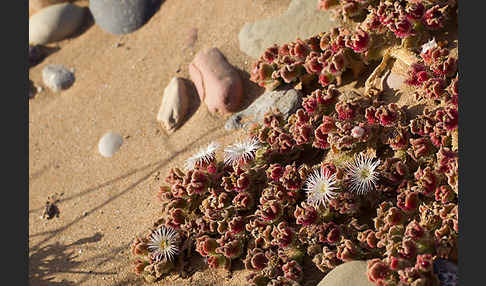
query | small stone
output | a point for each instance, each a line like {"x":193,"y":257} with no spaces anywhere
{"x":446,"y":271}
{"x":395,"y":81}
{"x":120,"y":17}
{"x":286,"y":100}
{"x":175,"y":104}
{"x":353,"y":273}
{"x":55,"y":23}
{"x":40,"y":89}
{"x":217,"y":82}
{"x":35,"y":55}
{"x":57,"y":77}
{"x":109,"y":144}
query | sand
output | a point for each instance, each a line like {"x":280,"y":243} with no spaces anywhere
{"x":119,"y":84}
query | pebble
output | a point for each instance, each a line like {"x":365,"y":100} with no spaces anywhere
{"x":109,"y":144}
{"x":217,"y":82}
{"x":301,"y":20}
{"x":287,"y":100}
{"x":395,"y":81}
{"x":175,"y":104}
{"x":353,"y":273}
{"x":55,"y":23}
{"x":447,"y":272}
{"x":120,"y":17}
{"x":57,"y":77}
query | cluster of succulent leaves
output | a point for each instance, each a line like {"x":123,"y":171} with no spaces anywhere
{"x":367,"y":28}
{"x":256,"y":210}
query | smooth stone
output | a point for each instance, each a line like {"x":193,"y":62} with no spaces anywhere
{"x":395,"y":80}
{"x":57,"y":77}
{"x":353,"y":273}
{"x":175,"y":104}
{"x":109,"y":144}
{"x":446,"y":271}
{"x":301,"y":20}
{"x":217,"y":82}
{"x":286,"y":100}
{"x":120,"y":16}
{"x":55,"y":23}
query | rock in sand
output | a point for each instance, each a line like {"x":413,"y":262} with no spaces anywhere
{"x":175,"y":104}
{"x":120,"y":16}
{"x":57,"y":77}
{"x":301,"y":20}
{"x":55,"y":23}
{"x":217,"y":82}
{"x":109,"y":144}
{"x":351,"y":273}
{"x":286,"y":100}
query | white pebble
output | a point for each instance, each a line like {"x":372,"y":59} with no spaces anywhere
{"x":109,"y":144}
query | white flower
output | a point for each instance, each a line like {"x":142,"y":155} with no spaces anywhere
{"x":163,"y":243}
{"x":429,"y":45}
{"x":203,"y":156}
{"x":362,"y":173}
{"x":243,"y":150}
{"x":320,"y":187}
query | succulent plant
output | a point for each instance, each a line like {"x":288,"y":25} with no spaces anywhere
{"x":343,"y":178}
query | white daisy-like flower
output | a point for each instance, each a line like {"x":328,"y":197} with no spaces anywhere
{"x":320,"y":188}
{"x":163,"y":243}
{"x":429,"y":45}
{"x":243,"y":150}
{"x":362,"y":173}
{"x":203,"y":156}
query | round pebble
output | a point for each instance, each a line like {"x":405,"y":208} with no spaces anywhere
{"x":120,"y":17}
{"x":57,"y":77}
{"x":109,"y":144}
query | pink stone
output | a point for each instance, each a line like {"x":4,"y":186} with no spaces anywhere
{"x":217,"y":82}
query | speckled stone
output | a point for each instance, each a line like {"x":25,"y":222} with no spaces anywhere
{"x":57,"y":77}
{"x":109,"y":144}
{"x":120,"y":16}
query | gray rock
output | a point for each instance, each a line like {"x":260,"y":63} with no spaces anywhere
{"x":175,"y":104}
{"x":57,"y":77}
{"x":351,"y":273}
{"x":301,"y":20}
{"x":284,"y":99}
{"x":120,"y":16}
{"x":55,"y":23}
{"x":447,"y":272}
{"x":109,"y":144}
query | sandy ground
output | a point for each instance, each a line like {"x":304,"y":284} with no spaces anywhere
{"x":107,"y":201}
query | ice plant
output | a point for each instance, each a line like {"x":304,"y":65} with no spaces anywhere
{"x":163,"y":244}
{"x":203,"y":157}
{"x":320,"y":187}
{"x":240,"y":152}
{"x":362,"y":173}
